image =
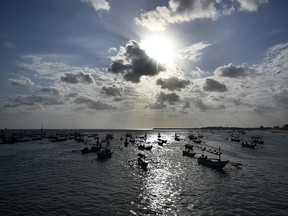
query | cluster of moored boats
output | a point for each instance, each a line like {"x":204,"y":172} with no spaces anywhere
{"x":251,"y":143}
{"x":103,"y":150}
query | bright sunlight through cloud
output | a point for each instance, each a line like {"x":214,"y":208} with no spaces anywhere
{"x":160,"y":48}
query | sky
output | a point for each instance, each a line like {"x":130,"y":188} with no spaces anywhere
{"x":111,"y":64}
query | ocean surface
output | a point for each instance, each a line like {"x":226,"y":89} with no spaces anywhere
{"x":53,"y":178}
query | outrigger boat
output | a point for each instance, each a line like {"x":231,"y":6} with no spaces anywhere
{"x":215,"y":163}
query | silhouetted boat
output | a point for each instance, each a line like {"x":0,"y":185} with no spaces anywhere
{"x":141,"y":161}
{"x":212,"y":162}
{"x":215,"y":163}
{"x":85,"y":150}
{"x":257,"y":139}
{"x":144,"y":147}
{"x":104,"y":153}
{"x":247,"y":144}
{"x":188,"y":153}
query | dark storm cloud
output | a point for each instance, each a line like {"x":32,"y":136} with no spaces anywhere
{"x":134,"y":63}
{"x":171,"y":98}
{"x":111,"y":91}
{"x":213,"y":85}
{"x":119,"y":66}
{"x":233,"y":71}
{"x":79,"y":77}
{"x":172,"y":83}
{"x":33,"y":100}
{"x":92,"y":104}
{"x":205,"y":107}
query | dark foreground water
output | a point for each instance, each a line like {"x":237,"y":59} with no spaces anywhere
{"x":45,"y":178}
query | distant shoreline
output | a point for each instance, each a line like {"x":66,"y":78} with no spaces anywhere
{"x":272,"y":130}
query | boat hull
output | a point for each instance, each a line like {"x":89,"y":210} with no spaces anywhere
{"x":216,"y":164}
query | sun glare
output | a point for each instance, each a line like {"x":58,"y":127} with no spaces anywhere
{"x":159,"y":48}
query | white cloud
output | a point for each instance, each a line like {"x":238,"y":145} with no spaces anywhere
{"x":179,"y":11}
{"x":192,"y":52}
{"x":98,"y":4}
{"x":251,"y":5}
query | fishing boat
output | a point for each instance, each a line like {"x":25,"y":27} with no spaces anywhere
{"x":247,"y":144}
{"x":188,"y":153}
{"x":104,"y":153}
{"x":257,"y":139}
{"x":215,"y":163}
{"x":198,"y":141}
{"x":141,"y":161}
{"x":144,"y":147}
{"x":85,"y":150}
{"x":189,"y":146}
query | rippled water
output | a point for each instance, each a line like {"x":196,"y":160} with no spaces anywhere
{"x":45,"y":178}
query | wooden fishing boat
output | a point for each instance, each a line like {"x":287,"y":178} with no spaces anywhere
{"x":248,"y":144}
{"x":188,"y":153}
{"x":104,"y":153}
{"x":215,"y":163}
{"x":212,"y":162}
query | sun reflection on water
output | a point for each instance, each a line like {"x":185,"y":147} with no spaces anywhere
{"x":161,"y":189}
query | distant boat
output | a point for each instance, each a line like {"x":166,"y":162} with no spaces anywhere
{"x":248,"y":144}
{"x":235,"y":137}
{"x":198,"y":141}
{"x":104,"y":153}
{"x":177,"y":137}
{"x":141,"y":161}
{"x":188,"y":153}
{"x":144,"y":147}
{"x":85,"y":150}
{"x":257,"y":139}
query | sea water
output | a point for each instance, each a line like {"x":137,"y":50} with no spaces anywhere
{"x":54,"y":178}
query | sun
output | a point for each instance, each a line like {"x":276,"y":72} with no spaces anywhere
{"x":159,"y":47}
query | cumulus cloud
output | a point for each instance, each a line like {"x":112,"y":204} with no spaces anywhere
{"x":98,"y":4}
{"x":134,"y":63}
{"x":92,"y":104}
{"x":49,"y":89}
{"x":111,"y":91}
{"x":192,"y":52}
{"x":251,"y":5}
{"x":184,"y":11}
{"x":80,"y":77}
{"x":205,"y":107}
{"x":172,"y":83}
{"x":213,"y":85}
{"x":23,"y":82}
{"x":233,"y":71}
{"x":171,"y":98}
